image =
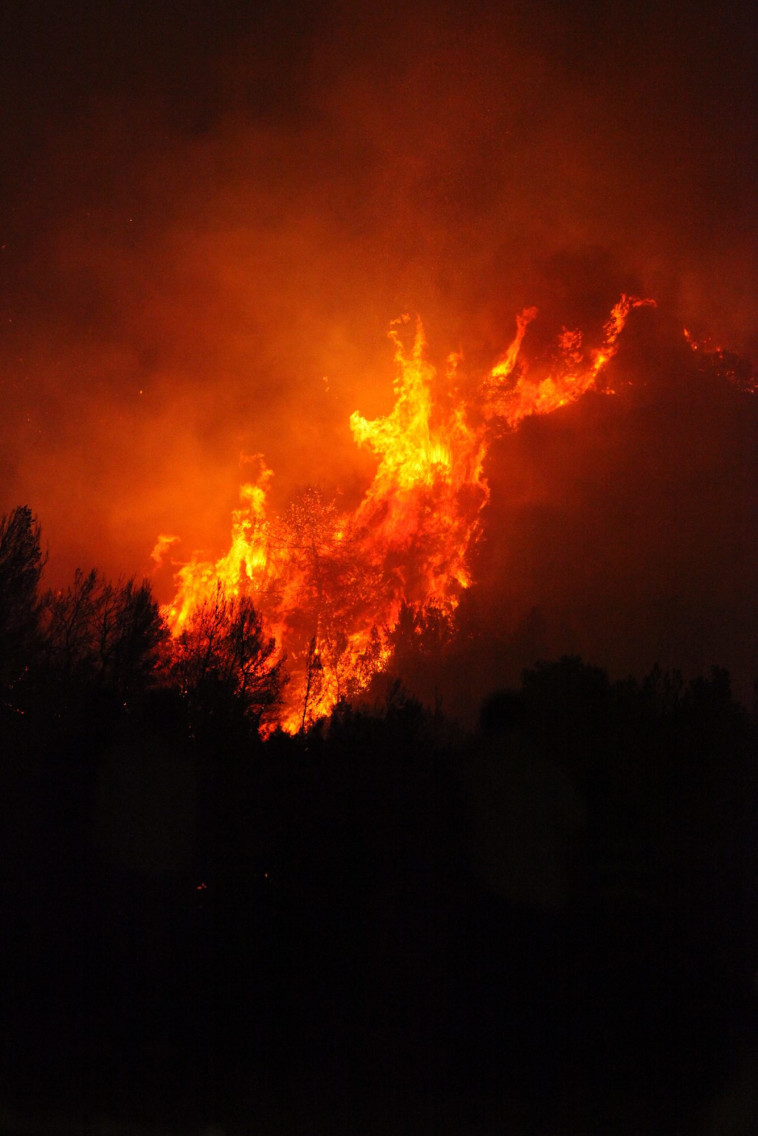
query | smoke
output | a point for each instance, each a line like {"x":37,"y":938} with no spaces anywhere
{"x":623,"y":528}
{"x":212,"y":219}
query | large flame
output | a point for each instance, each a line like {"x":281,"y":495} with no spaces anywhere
{"x":330,"y":585}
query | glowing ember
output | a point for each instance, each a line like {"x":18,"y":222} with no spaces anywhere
{"x":717,"y":360}
{"x":331,"y":587}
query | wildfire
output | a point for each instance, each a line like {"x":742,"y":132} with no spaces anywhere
{"x":333,"y":588}
{"x":717,"y":360}
{"x":574,"y":371}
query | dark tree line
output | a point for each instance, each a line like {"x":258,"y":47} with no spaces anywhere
{"x":63,"y":651}
{"x":21,"y":564}
{"x":553,"y":916}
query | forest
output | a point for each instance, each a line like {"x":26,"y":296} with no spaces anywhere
{"x":384,"y":922}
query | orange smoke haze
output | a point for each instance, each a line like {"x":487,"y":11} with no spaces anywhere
{"x":210,"y":221}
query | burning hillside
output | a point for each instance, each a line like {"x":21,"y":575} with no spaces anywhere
{"x":332,"y":587}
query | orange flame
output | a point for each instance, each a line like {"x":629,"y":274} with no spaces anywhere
{"x":573,"y":373}
{"x":331,"y":586}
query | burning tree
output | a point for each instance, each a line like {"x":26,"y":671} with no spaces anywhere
{"x":337,"y":592}
{"x":326,"y":583}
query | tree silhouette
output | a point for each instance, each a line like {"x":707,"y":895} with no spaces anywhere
{"x":224,"y":666}
{"x":337,"y":590}
{"x":104,"y":635}
{"x":21,"y":565}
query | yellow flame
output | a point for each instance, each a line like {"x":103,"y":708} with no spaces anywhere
{"x":331,"y":586}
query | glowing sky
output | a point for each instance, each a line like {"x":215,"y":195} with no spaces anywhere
{"x":209,"y":214}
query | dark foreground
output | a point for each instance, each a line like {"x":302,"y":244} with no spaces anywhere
{"x":387,"y":926}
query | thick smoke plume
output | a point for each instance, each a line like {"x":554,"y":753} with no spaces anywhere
{"x":210,"y":220}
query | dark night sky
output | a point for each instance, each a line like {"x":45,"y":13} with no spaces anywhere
{"x":206,"y":209}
